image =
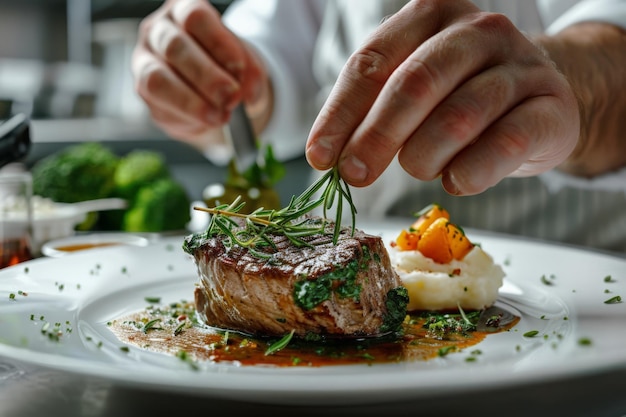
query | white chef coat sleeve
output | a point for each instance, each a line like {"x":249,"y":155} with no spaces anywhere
{"x":610,"y":11}
{"x":284,"y":32}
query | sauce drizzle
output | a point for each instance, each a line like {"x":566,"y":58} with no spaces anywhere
{"x":174,"y":330}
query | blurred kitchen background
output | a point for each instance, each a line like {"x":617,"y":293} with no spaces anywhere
{"x":66,"y":63}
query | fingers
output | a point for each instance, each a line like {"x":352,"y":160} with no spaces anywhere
{"x":189,"y":68}
{"x":366,"y":73}
{"x":161,"y":88}
{"x":363,"y":77}
{"x":461,"y":118}
{"x":454,"y":92}
{"x":203,"y":24}
{"x":197,"y":69}
{"x":514,"y":146}
{"x":426,"y":89}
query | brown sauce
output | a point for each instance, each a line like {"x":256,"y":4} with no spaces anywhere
{"x":14,"y":251}
{"x":173,"y":330}
{"x":83,"y":246}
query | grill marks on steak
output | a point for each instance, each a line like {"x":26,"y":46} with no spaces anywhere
{"x":353,"y":279}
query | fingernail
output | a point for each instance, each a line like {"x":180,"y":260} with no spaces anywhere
{"x":353,"y":169}
{"x":321,"y":153}
{"x":449,"y":184}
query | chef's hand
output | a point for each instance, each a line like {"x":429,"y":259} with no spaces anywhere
{"x":192,"y":71}
{"x":458,"y":92}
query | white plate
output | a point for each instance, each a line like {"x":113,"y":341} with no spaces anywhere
{"x":80,"y":294}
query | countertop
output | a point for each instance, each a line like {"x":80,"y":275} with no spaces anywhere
{"x":26,"y":391}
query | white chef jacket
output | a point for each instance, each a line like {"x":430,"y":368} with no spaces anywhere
{"x":305,"y":44}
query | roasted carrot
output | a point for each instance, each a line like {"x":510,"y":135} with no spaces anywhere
{"x":434,"y":242}
{"x":460,"y":245}
{"x":428,"y":216}
{"x":435,"y":236}
{"x":407,"y":240}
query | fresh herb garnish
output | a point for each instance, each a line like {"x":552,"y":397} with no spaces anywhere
{"x":547,"y":281}
{"x":531,"y":333}
{"x":185,"y":357}
{"x":396,"y":302}
{"x":280,"y":344}
{"x":441,"y":325}
{"x":290,"y":221}
{"x":342,"y":281}
{"x":614,"y":300}
{"x":609,"y":278}
{"x":178,"y":330}
{"x":150,"y":325}
{"x":445,"y":350}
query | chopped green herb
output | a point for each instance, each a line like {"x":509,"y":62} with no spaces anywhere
{"x":614,"y":300}
{"x":179,"y":329}
{"x":609,"y":278}
{"x":12,"y":296}
{"x":184,"y":356}
{"x":280,"y":344}
{"x":584,"y":341}
{"x":342,"y":281}
{"x":396,"y":302}
{"x":531,"y":333}
{"x":546,"y":281}
{"x":153,"y":300}
{"x":124,"y":349}
{"x":445,"y":350}
{"x":440,"y":325}
{"x":150,"y":325}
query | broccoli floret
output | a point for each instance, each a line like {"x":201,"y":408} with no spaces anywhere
{"x":138,"y":169}
{"x":160,"y":206}
{"x":77,"y":173}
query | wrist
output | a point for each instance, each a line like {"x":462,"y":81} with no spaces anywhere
{"x":590,"y":55}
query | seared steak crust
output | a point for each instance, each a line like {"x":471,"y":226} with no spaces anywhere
{"x":347,"y":289}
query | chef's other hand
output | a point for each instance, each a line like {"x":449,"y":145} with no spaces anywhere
{"x":454,"y":91}
{"x":192,"y":71}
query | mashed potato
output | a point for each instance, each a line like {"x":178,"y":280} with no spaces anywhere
{"x":471,"y":283}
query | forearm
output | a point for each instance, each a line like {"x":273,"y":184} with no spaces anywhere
{"x":592,"y":56}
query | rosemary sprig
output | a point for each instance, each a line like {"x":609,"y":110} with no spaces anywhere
{"x":289,"y":221}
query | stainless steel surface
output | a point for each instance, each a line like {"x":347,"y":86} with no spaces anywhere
{"x":241,"y":135}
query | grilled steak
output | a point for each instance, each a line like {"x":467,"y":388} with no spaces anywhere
{"x":348,"y":289}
